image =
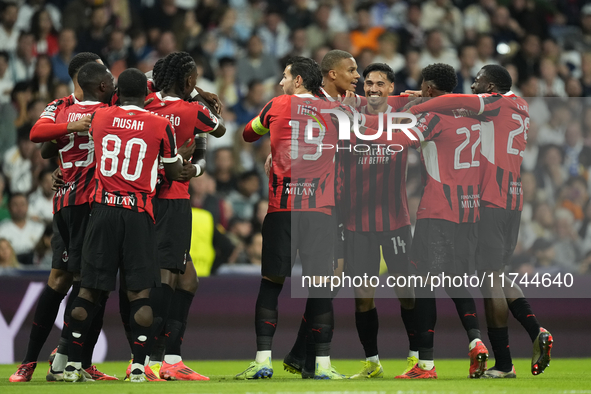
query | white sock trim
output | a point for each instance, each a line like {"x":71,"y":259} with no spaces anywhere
{"x":263,"y":356}
{"x":172,"y":359}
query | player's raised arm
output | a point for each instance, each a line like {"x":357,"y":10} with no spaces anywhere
{"x":173,"y":162}
{"x":450,"y":102}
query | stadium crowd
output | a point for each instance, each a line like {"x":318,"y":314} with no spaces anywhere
{"x":240,"y":47}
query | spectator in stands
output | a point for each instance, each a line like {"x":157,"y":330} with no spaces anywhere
{"x":410,"y":76}
{"x":514,"y":73}
{"x":27,"y":11}
{"x":41,"y":200}
{"x":585,"y":229}
{"x":229,"y":38}
{"x":485,"y":46}
{"x":412,"y":34}
{"x":23,"y":60}
{"x":505,"y":29}
{"x":225,"y":176}
{"x":443,"y":15}
{"x":46,"y":38}
{"x":320,"y":33}
{"x":166,"y":45}
{"x":299,"y":15}
{"x":244,"y":199}
{"x":389,"y":13}
{"x":574,"y":88}
{"x":550,"y":174}
{"x":94,"y":38}
{"x":9,"y":33}
{"x":532,"y":149}
{"x":250,"y":106}
{"x":299,"y":45}
{"x":573,"y":148}
{"x":550,"y":84}
{"x":274,"y":34}
{"x":530,"y":195}
{"x":527,"y":59}
{"x":468,"y":55}
{"x":365,"y":35}
{"x":436,"y":52}
{"x":6,"y":83}
{"x":227,"y":85}
{"x":203,"y":195}
{"x":22,"y":233}
{"x":567,"y":243}
{"x":388,"y":52}
{"x":66,"y":45}
{"x":477,"y":18}
{"x":530,"y":17}
{"x":139,"y":49}
{"x":43,"y":82}
{"x":342,"y":16}
{"x":253,"y":250}
{"x":17,"y":164}
{"x":163,"y":16}
{"x":553,"y":131}
{"x":21,"y":96}
{"x":115,"y":53}
{"x":257,"y":64}
{"x":43,"y":254}
{"x":8,"y":260}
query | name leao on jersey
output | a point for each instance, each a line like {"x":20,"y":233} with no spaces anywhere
{"x":174,"y":120}
{"x":128,"y":124}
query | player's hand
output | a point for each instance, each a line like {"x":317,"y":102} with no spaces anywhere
{"x":79,"y":126}
{"x":411,"y":103}
{"x":349,"y":98}
{"x":148,"y":101}
{"x":57,"y":179}
{"x":186,"y":150}
{"x":189,"y":171}
{"x":268,"y":164}
{"x":213,"y":100}
{"x":412,"y":93}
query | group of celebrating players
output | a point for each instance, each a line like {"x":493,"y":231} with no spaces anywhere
{"x":126,"y":157}
{"x":471,"y":150}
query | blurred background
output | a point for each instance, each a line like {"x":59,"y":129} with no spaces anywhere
{"x":240,"y":47}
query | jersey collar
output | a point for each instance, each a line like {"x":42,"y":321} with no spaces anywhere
{"x":75,"y":99}
{"x":167,"y":98}
{"x":305,"y":95}
{"x":132,"y":107}
{"x":88,"y":102}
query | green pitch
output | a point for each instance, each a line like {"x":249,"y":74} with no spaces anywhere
{"x":571,"y":376}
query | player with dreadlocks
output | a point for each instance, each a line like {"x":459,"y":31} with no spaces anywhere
{"x":504,"y":136}
{"x":176,"y":77}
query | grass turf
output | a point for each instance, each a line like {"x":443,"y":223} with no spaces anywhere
{"x":571,"y":376}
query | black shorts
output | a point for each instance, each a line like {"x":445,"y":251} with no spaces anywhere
{"x":286,"y":233}
{"x":362,"y":251}
{"x":498,"y":230}
{"x":118,"y":238}
{"x":60,"y":254}
{"x":71,"y":223}
{"x":442,"y":246}
{"x":173,"y":233}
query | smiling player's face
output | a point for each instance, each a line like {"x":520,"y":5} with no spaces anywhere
{"x":377,"y":87}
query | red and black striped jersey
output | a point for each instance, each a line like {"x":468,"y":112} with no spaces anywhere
{"x":450,"y":159}
{"x":76,"y":152}
{"x":188,"y":119}
{"x":372,"y":185}
{"x":504,"y":136}
{"x":53,"y":109}
{"x":128,"y":144}
{"x":302,"y":176}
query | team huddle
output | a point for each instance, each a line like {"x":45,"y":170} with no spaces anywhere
{"x":126,"y":157}
{"x":471,"y":149}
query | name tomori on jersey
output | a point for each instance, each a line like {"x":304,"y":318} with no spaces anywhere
{"x":128,"y":124}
